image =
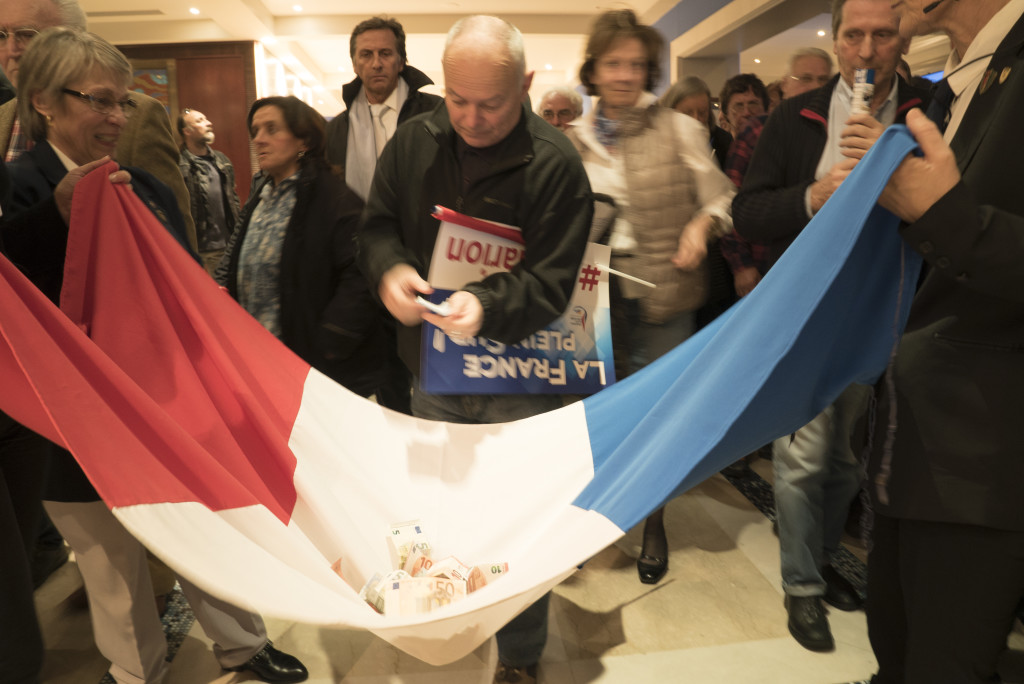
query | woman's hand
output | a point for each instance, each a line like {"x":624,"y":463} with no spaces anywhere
{"x":693,"y":243}
{"x":65,"y":190}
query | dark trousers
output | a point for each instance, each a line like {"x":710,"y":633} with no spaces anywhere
{"x":941,"y":599}
{"x":23,"y":461}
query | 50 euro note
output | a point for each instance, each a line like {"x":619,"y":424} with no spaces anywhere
{"x":475,"y":576}
{"x":419,"y":595}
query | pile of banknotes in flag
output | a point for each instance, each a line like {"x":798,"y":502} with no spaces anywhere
{"x":417,"y":583}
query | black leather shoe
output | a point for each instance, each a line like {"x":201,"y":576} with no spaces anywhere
{"x":808,"y":624}
{"x":271,"y":665}
{"x":651,"y":569}
{"x":838,"y":590}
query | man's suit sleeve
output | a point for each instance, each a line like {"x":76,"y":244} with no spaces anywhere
{"x":767,"y":208}
{"x":147,"y":142}
{"x":979,"y":245}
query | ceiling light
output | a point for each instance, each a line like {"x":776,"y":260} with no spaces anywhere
{"x":757,"y":61}
{"x":297,"y":8}
{"x":193,"y":10}
{"x":821,"y":33}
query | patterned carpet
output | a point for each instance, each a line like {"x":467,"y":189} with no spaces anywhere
{"x":177,"y":621}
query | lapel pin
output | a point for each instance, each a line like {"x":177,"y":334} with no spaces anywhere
{"x":987,"y":80}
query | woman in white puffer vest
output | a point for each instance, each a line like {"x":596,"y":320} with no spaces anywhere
{"x":671,"y":199}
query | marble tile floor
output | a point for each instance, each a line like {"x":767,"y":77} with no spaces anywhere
{"x":717,"y":617}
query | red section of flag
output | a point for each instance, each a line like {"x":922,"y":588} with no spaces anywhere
{"x":194,"y":399}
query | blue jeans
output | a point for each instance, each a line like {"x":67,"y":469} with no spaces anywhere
{"x":816,"y":477}
{"x":647,"y":342}
{"x":522,"y":640}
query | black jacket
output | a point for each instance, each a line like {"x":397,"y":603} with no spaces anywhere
{"x":958,"y":449}
{"x":769,"y":207}
{"x":328,"y":316}
{"x":539,"y":184}
{"x":415,"y":103}
{"x":721,"y":140}
{"x":35,"y":236}
{"x":210,"y":237}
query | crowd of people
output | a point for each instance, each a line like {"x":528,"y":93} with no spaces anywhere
{"x":331,"y":251}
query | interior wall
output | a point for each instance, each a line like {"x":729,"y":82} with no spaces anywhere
{"x":714,"y":71}
{"x":218,"y":79}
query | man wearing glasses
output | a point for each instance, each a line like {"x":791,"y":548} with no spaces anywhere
{"x":808,"y":147}
{"x":809,"y":68}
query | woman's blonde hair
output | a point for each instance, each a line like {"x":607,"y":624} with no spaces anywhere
{"x":59,"y":56}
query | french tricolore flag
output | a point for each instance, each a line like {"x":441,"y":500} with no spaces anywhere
{"x":251,"y":474}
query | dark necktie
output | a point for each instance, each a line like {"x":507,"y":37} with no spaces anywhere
{"x":938,"y":110}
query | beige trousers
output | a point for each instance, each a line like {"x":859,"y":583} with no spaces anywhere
{"x":124,"y":617}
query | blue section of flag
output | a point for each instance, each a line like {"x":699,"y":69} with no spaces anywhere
{"x":828,"y":314}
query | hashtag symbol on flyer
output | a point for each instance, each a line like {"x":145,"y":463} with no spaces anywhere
{"x":589,"y":276}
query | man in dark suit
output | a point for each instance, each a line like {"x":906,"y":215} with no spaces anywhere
{"x":947,"y":473}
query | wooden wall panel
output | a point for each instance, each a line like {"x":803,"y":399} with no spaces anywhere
{"x":213,"y":85}
{"x":218,"y":79}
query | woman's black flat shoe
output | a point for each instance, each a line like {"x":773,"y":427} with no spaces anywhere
{"x":651,"y":569}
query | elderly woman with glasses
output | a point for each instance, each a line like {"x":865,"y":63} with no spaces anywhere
{"x":73,"y":104}
{"x":671,"y":197}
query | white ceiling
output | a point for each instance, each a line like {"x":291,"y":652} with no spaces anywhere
{"x":313,"y":40}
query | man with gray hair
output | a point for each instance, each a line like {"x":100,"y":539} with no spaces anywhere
{"x":486,"y":155}
{"x":809,"y":145}
{"x":559,"y":106}
{"x":809,"y":68}
{"x":385,"y":93}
